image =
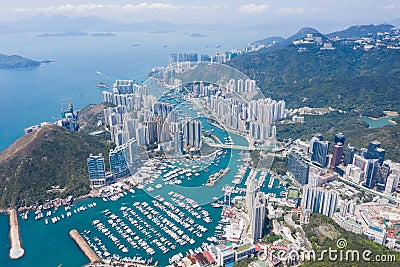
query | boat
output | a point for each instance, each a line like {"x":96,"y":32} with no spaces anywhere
{"x":103,"y":85}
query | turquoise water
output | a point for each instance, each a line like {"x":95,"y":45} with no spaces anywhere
{"x":51,"y":244}
{"x":34,"y":95}
{"x":379,"y":123}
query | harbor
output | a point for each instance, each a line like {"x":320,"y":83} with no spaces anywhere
{"x":163,"y":209}
{"x":168,"y":208}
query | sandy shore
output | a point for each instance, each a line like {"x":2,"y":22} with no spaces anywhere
{"x":391,"y":113}
{"x":74,"y":234}
{"x":16,"y":250}
{"x":387,"y":114}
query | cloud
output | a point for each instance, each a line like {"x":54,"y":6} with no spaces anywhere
{"x":296,"y":10}
{"x":84,"y":8}
{"x":252,"y":9}
{"x":391,"y":6}
{"x":290,"y":10}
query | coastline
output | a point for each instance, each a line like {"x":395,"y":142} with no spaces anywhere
{"x":388,"y":114}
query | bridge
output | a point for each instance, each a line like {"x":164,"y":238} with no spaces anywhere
{"x":231,"y":146}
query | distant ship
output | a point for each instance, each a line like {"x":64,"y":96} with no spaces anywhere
{"x":135,"y":44}
{"x":104,"y":85}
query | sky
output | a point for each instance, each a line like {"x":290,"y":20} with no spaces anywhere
{"x":323,"y":14}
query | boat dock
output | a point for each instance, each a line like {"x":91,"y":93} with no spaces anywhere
{"x":74,"y":234}
{"x":16,"y":250}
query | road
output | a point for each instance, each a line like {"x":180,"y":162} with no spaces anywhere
{"x":290,"y":222}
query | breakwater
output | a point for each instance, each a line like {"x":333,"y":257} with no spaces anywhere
{"x":74,"y":234}
{"x":16,"y":250}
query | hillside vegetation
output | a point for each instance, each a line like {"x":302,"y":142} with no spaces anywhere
{"x":45,"y":164}
{"x":347,"y":79}
{"x":323,"y":233}
{"x":356,"y":132}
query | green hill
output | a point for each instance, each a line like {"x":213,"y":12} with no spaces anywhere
{"x":17,"y":62}
{"x":367,"y":82}
{"x":45,"y":164}
{"x":323,"y":233}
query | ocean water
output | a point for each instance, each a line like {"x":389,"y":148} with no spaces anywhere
{"x":31,"y":96}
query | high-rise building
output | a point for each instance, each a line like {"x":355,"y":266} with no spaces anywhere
{"x":370,"y":173}
{"x":96,"y":170}
{"x":392,"y":182}
{"x":298,"y":167}
{"x":228,"y":199}
{"x":317,"y":199}
{"x":258,"y":217}
{"x":339,"y":138}
{"x":320,"y":149}
{"x":349,"y":154}
{"x":374,"y":151}
{"x":382,"y":176}
{"x":118,"y":162}
{"x":337,"y":155}
{"x":192,"y":133}
{"x":251,"y":191}
{"x":355,"y":173}
{"x":179,"y":144}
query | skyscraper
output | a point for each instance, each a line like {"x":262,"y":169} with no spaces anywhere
{"x":251,"y":191}
{"x":337,"y":155}
{"x":370,"y":173}
{"x":349,"y":155}
{"x":192,"y":133}
{"x":339,"y":138}
{"x":179,"y":142}
{"x":258,"y":217}
{"x":374,"y":151}
{"x":299,"y":167}
{"x":96,"y":170}
{"x":317,"y":199}
{"x":118,"y":161}
{"x":319,"y":151}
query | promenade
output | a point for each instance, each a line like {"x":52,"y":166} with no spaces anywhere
{"x":16,"y":250}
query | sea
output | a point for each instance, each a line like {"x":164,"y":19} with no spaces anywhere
{"x":31,"y":96}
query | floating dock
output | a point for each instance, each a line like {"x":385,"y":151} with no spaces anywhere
{"x":76,"y":236}
{"x":16,"y":250}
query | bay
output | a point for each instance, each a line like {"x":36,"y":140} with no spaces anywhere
{"x":31,"y":96}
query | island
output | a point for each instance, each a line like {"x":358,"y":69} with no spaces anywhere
{"x":103,"y":34}
{"x":198,"y":35}
{"x":63,"y":34}
{"x":17,"y":62}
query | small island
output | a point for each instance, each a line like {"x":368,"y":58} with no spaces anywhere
{"x":62,"y":34}
{"x":198,"y":35}
{"x":17,"y":62}
{"x":103,"y":34}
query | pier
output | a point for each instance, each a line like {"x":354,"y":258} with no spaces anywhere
{"x":16,"y":250}
{"x":74,"y":234}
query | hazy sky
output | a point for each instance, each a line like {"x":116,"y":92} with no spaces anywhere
{"x":327,"y":15}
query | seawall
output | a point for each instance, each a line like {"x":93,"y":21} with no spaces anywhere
{"x":16,"y":250}
{"x":85,"y":248}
